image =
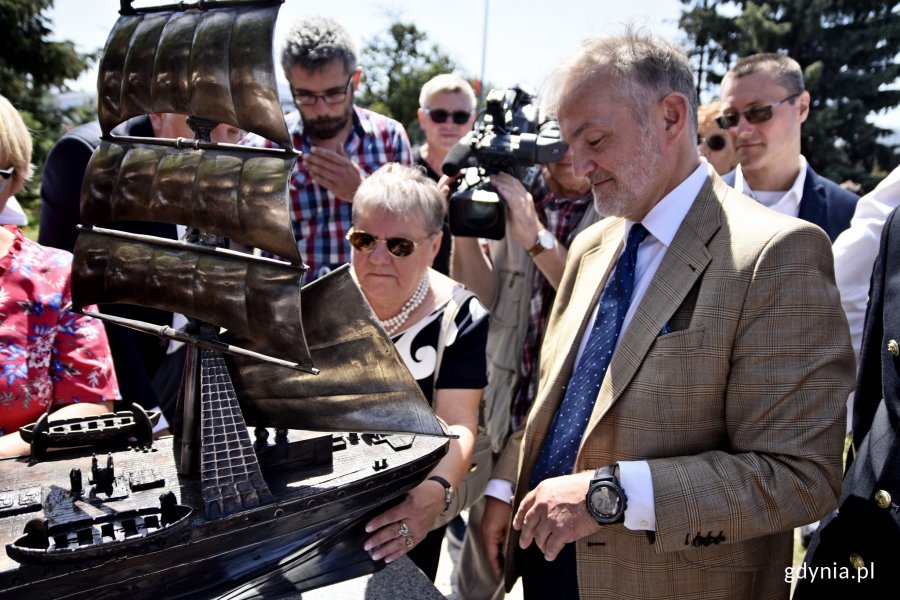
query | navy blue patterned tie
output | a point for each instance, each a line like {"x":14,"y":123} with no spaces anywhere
{"x":561,"y":446}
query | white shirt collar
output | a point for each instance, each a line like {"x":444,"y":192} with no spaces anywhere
{"x":13,"y":214}
{"x":789,"y":203}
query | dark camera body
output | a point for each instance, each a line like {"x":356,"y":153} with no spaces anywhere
{"x":506,"y":138}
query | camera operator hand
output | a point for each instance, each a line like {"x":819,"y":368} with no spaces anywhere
{"x":523,"y":224}
{"x":521,"y":219}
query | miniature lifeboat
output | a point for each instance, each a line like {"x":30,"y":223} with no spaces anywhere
{"x":100,"y":537}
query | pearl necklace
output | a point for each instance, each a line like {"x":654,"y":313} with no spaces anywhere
{"x":394,"y":323}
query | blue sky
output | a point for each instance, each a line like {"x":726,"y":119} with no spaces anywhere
{"x":526,"y":38}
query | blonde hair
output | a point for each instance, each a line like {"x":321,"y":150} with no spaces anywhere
{"x":15,"y":144}
{"x":707,"y":113}
{"x":449,"y":83}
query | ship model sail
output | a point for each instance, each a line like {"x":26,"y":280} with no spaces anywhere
{"x":217,"y":510}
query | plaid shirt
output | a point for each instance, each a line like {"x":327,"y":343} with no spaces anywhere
{"x":320,"y":219}
{"x":561,"y":217}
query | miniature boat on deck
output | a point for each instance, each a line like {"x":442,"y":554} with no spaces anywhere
{"x":135,"y":423}
{"x":96,"y":537}
{"x":295,"y":426}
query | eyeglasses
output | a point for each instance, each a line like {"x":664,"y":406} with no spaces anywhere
{"x":439,"y":115}
{"x":760,"y":114}
{"x":398,"y":246}
{"x":333,"y":96}
{"x":713,"y":142}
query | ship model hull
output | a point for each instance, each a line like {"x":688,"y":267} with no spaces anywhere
{"x":244,"y":500}
{"x":311,"y":535}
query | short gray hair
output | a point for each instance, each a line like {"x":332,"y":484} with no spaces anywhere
{"x":647,"y":66}
{"x":449,"y":83}
{"x":400,"y":190}
{"x":315,"y":42}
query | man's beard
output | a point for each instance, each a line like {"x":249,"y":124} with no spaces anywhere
{"x":633,"y":184}
{"x":326,"y":128}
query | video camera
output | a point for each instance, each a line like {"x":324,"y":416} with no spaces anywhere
{"x":506,"y":138}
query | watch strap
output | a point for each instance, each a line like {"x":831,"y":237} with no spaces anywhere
{"x":536,"y":249}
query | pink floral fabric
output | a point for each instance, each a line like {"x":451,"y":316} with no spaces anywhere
{"x":49,"y":356}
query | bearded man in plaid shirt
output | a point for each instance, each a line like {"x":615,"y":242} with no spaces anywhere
{"x":341,"y":143}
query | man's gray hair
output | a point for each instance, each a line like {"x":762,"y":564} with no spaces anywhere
{"x":402,"y":191}
{"x":314,"y":42}
{"x":647,"y":66}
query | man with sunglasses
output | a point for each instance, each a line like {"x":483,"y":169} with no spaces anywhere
{"x":446,"y":113}
{"x":341,"y":143}
{"x":764,"y":105}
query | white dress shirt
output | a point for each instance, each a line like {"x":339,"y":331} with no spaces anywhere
{"x":785,"y":202}
{"x":857,"y":246}
{"x":662,"y":222}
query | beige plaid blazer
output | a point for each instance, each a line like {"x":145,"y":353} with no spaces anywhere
{"x":740,"y":410}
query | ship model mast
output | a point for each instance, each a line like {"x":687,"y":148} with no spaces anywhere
{"x":240,"y":516}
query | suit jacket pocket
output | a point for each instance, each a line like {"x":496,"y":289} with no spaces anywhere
{"x":748,"y":555}
{"x":678,"y":342}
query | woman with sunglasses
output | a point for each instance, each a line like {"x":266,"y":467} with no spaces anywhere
{"x":50,"y":357}
{"x":397,"y":217}
{"x":713,"y":142}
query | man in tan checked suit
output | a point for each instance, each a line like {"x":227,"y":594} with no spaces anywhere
{"x":722,"y":409}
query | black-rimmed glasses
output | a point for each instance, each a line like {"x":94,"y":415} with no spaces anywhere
{"x":759,"y":114}
{"x":439,"y":115}
{"x":332,"y":96}
{"x":714,"y":142}
{"x":398,"y":246}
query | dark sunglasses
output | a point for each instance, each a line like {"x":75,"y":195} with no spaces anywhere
{"x":760,"y":114}
{"x":439,"y":115}
{"x":713,"y":142}
{"x":7,"y":173}
{"x":398,"y":246}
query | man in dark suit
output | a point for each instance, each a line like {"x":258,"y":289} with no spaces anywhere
{"x":682,"y":426}
{"x":147,"y":374}
{"x":764,"y":105}
{"x":858,"y":545}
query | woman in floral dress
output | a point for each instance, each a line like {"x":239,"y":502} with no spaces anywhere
{"x":51,"y":359}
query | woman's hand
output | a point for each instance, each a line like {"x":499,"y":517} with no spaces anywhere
{"x":397,"y":530}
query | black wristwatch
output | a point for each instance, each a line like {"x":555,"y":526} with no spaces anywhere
{"x":448,"y":490}
{"x":606,"y":500}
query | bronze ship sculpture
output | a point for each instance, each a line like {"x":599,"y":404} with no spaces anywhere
{"x":296,"y":426}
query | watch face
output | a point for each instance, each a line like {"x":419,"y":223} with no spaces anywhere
{"x":546,"y":239}
{"x":605,"y":500}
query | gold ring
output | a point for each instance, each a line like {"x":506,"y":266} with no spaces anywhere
{"x":404,"y":530}
{"x":410,"y":541}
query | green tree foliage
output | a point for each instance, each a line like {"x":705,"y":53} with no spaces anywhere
{"x":32,"y":67}
{"x":395,"y":67}
{"x":848,"y":51}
